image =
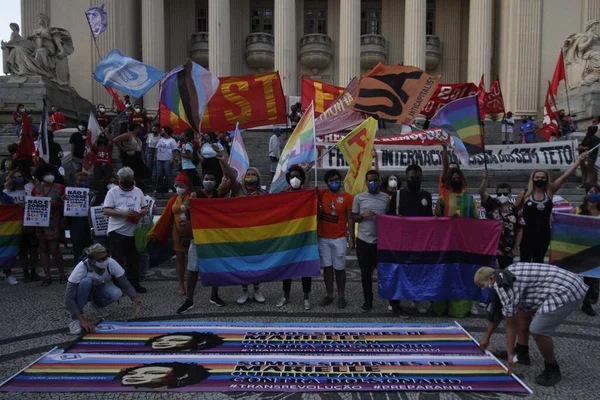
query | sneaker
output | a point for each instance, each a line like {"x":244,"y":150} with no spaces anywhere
{"x":74,"y":327}
{"x":390,"y":307}
{"x":474,"y":310}
{"x":11,"y":280}
{"x":342,"y":303}
{"x":520,"y":358}
{"x":579,"y":187}
{"x":307,"y":304}
{"x":243,"y":298}
{"x":397,"y":310}
{"x":587,"y":308}
{"x":281,"y":302}
{"x":366,"y":307}
{"x":422,"y":307}
{"x":326,"y":301}
{"x":217,"y":301}
{"x":549,"y":377}
{"x":139,"y":288}
{"x":258,"y":296}
{"x":185,"y":307}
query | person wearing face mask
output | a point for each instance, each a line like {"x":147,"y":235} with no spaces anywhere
{"x":501,"y":209}
{"x":131,"y":151}
{"x":535,"y":298}
{"x":139,"y":117}
{"x":176,"y":218}
{"x":80,"y":226}
{"x":335,"y":231}
{"x":536,"y":210}
{"x":57,"y":119}
{"x":77,"y":142}
{"x":124,"y":206}
{"x":187,"y":157}
{"x":365,"y":208}
{"x":98,"y":278}
{"x":209,"y":191}
{"x":446,"y":166}
{"x":18,"y":119}
{"x":208,"y":152}
{"x":102,"y":118}
{"x":103,"y":167}
{"x":167,"y":153}
{"x":590,"y":207}
{"x":50,"y":236}
{"x":391,"y":185}
{"x":151,"y":142}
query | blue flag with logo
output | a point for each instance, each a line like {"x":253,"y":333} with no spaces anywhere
{"x":126,"y":74}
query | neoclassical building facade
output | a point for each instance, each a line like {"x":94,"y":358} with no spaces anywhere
{"x":329,"y":40}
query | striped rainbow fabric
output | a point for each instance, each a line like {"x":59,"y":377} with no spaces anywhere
{"x":258,"y":239}
{"x":575,"y":243}
{"x":11,"y":221}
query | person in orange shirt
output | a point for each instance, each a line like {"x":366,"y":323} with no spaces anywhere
{"x":335,"y":222}
{"x":446,"y":165}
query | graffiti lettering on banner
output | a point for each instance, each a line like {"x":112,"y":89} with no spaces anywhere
{"x":393,"y":157}
{"x":37,"y":211}
{"x":99,"y":221}
{"x":77,"y":203}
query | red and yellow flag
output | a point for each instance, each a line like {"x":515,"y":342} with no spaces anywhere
{"x":357,"y":149}
{"x":323,"y":95}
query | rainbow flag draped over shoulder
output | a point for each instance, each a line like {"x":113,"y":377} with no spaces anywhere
{"x":575,"y":243}
{"x":424,"y":258}
{"x":11,"y":222}
{"x":256,"y":239}
{"x":461,"y":118}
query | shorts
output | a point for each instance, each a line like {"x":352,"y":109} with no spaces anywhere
{"x":546,"y":324}
{"x":332,"y":252}
{"x":192,"y":264}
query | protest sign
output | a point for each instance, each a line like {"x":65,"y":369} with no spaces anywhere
{"x":99,"y":221}
{"x":37,"y":211}
{"x":77,"y":203}
{"x":552,"y":155}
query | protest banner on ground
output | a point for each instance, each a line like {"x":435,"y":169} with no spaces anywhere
{"x":552,"y":155}
{"x":77,"y":202}
{"x":37,"y":211}
{"x":99,"y":221}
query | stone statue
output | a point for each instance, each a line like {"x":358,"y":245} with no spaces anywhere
{"x":43,"y":53}
{"x":582,"y":57}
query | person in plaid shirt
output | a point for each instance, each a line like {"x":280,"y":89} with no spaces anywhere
{"x":541,"y":297}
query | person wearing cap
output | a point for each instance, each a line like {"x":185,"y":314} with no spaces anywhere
{"x":100,"y":279}
{"x":274,"y":150}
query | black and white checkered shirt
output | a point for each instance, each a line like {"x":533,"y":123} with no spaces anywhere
{"x":540,"y":287}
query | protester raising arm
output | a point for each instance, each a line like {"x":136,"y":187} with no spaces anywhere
{"x":483,"y":187}
{"x":557,"y":184}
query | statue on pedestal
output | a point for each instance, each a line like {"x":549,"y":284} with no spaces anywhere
{"x":582,"y":57}
{"x":44,"y":52}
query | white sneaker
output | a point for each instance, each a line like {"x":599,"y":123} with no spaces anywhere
{"x":281,"y":302}
{"x":258,"y":296}
{"x":390,"y":308}
{"x":307,"y":304}
{"x":243,"y":298}
{"x":12,"y":280}
{"x":74,"y":327}
{"x":474,"y":310}
{"x":422,"y":306}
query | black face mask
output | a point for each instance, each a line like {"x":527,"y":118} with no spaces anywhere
{"x":540,"y":183}
{"x":414,"y":185}
{"x":456,"y":185}
{"x":126,"y":184}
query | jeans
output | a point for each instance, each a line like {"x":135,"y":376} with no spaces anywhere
{"x":367,"y":261}
{"x":77,"y":164}
{"x":123,"y":251}
{"x":150,"y":152}
{"x":144,"y":265}
{"x":101,"y":295}
{"x":306,"y":285}
{"x":17,"y":130}
{"x":165,"y":168}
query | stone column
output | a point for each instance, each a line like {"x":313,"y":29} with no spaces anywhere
{"x":392,"y":29}
{"x":153,"y":45}
{"x":30,"y":9}
{"x":286,"y":54}
{"x":448,"y":29}
{"x":219,"y":37}
{"x":349,"y":58}
{"x":590,"y":11}
{"x":180,"y":24}
{"x":480,"y":41}
{"x":414,"y":33}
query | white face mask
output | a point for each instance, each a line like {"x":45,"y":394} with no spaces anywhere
{"x":180,"y":191}
{"x":101,"y":109}
{"x":392,"y":183}
{"x":209,"y":185}
{"x":101,"y":264}
{"x":81,"y":128}
{"x":49,"y":178}
{"x":295,"y":183}
{"x":502,"y":199}
{"x":138,"y":110}
{"x":110,"y":186}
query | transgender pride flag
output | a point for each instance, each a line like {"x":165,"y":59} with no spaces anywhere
{"x":238,"y":158}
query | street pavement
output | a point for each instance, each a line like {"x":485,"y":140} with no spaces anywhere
{"x":34,"y":320}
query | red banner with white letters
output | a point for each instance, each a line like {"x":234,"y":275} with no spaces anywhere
{"x":494,"y":102}
{"x":445,"y":93}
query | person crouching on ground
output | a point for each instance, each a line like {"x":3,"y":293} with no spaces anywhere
{"x":100,"y":279}
{"x":540,"y":297}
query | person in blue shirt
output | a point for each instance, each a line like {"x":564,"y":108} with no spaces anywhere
{"x":527,"y":130}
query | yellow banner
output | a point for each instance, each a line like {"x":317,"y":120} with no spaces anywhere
{"x":357,"y":149}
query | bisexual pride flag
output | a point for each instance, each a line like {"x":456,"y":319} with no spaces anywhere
{"x":256,"y":239}
{"x":424,"y":258}
{"x":11,"y":222}
{"x":575,"y":243}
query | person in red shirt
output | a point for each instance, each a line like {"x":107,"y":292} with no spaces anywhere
{"x":57,"y":119}
{"x":18,"y":119}
{"x":103,"y":168}
{"x":334,"y":225}
{"x":101,"y":117}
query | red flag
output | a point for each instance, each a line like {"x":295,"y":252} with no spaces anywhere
{"x":559,"y":73}
{"x":115,"y":96}
{"x":168,"y":118}
{"x":322,"y":94}
{"x":494,"y":102}
{"x":550,"y":124}
{"x":26,"y":147}
{"x":481,"y":97}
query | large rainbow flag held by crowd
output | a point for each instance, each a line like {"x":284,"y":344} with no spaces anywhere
{"x":575,"y":242}
{"x":257,"y":239}
{"x":11,"y":222}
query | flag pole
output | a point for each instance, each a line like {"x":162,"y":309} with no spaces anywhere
{"x":482,"y":127}
{"x":94,"y":37}
{"x":314,"y":143}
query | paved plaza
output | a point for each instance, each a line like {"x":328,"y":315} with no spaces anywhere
{"x":34,"y":320}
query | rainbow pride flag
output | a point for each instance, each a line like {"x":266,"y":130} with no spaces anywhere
{"x":300,"y":148}
{"x":258,"y":239}
{"x":11,"y":221}
{"x":575,"y":243}
{"x":461,"y":118}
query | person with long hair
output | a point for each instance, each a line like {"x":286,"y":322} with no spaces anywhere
{"x":536,"y":210}
{"x":590,"y":207}
{"x":588,"y":166}
{"x":131,"y":151}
